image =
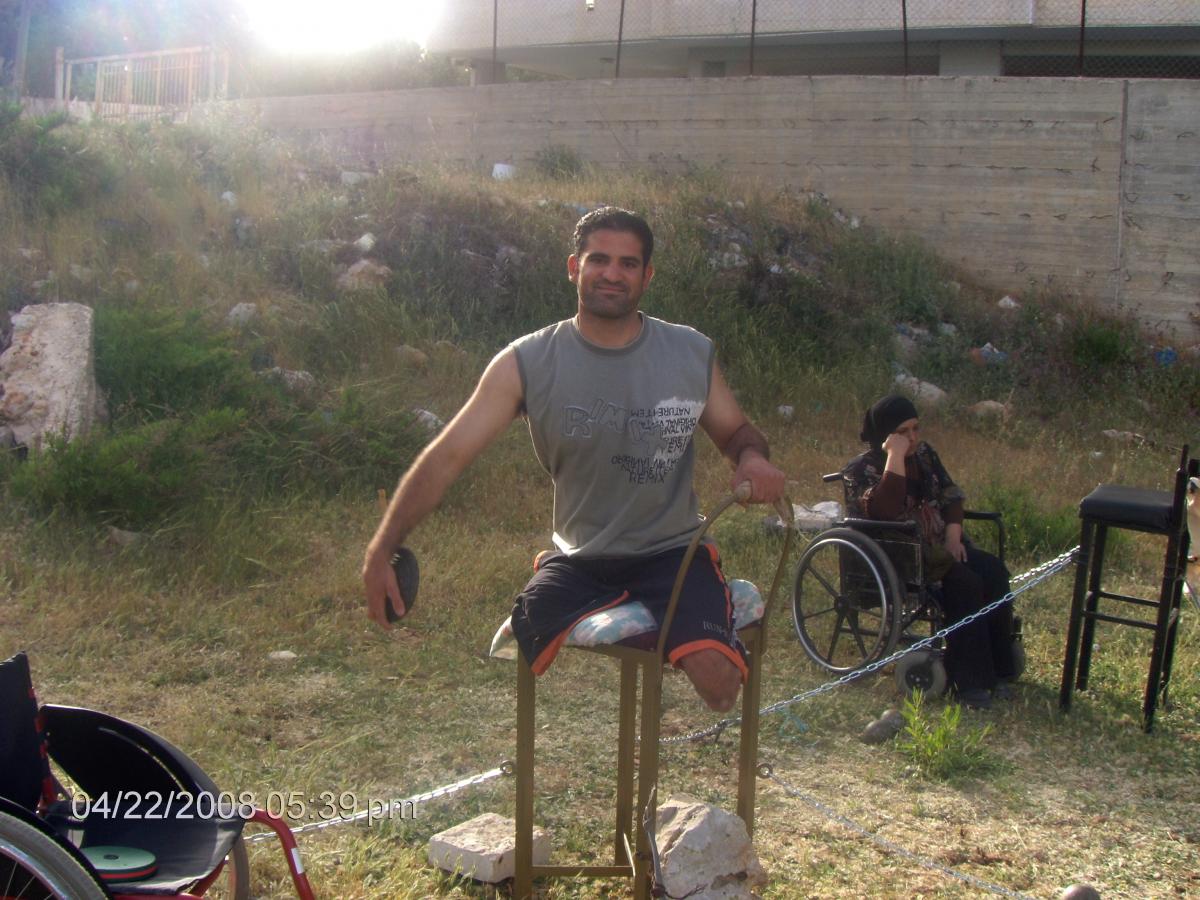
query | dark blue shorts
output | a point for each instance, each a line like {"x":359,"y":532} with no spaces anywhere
{"x":565,"y":589}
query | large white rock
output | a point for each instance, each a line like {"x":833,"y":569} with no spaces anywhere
{"x":48,"y":374}
{"x":364,"y":275}
{"x":706,"y":852}
{"x":922,"y":391}
{"x":484,"y":848}
{"x":986,"y":409}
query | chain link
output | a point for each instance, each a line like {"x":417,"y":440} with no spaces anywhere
{"x":505,"y":768}
{"x":1033,"y":577}
{"x":766,"y":771}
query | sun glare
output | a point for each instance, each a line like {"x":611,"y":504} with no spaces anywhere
{"x":307,"y":26}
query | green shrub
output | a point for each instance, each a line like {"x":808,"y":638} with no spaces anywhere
{"x":899,"y":277}
{"x":154,"y":363}
{"x":134,"y":478}
{"x":1097,"y":344}
{"x":49,"y":166}
{"x":559,"y":162}
{"x":939,"y":747}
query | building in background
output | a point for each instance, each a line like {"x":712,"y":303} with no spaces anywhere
{"x":698,"y":38}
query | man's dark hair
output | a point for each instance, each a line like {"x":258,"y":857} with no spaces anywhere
{"x":613,"y":218}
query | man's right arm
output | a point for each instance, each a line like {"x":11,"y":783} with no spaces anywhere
{"x":494,"y":404}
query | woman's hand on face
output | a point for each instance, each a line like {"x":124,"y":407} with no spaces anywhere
{"x":896,"y":443}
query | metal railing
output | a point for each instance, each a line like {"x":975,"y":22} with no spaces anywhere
{"x":646,"y":38}
{"x":156,"y":85}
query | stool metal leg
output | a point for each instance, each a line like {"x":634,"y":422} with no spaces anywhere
{"x":523,"y":880}
{"x":1091,"y":604}
{"x":626,"y":733}
{"x":748,"y":748}
{"x":1164,"y":631}
{"x":1075,"y":621}
{"x":647,"y":773}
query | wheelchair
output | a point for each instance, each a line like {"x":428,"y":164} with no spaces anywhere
{"x":181,"y":838}
{"x":861,"y":592}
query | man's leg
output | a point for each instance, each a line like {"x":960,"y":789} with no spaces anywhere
{"x":715,"y":678}
{"x":702,"y":641}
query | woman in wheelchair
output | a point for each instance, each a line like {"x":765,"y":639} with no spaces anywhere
{"x":901,"y":478}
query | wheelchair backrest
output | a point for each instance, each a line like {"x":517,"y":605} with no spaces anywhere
{"x":24,"y":768}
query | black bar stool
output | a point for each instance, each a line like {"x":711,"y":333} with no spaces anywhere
{"x":1136,"y":509}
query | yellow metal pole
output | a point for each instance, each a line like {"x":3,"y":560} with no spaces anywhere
{"x":526,"y":698}
{"x":627,"y":725}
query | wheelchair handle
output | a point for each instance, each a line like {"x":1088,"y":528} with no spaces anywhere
{"x":832,"y":476}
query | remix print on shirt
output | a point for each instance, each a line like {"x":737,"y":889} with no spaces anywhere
{"x":657,"y":436}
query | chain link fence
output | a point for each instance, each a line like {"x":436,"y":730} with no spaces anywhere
{"x":530,"y":39}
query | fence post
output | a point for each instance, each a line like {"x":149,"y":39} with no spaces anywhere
{"x":99,"y":90}
{"x":620,"y":38}
{"x":904,"y":28}
{"x":59,"y":56}
{"x":495,"y":35}
{"x":22,"y":49}
{"x":127,"y":88}
{"x":753,"y":28}
{"x":1082,"y":28}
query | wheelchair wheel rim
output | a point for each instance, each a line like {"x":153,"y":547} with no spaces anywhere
{"x":843,"y":606}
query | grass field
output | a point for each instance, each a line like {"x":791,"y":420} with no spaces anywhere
{"x":1079,"y":797}
{"x":254,"y":542}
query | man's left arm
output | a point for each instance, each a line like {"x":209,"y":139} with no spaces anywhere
{"x":741,"y":443}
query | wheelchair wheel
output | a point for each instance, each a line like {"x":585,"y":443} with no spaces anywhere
{"x":33,"y":866}
{"x":234,"y":883}
{"x":921,"y":670}
{"x":847,"y":599}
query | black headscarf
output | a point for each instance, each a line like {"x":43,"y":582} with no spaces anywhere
{"x":885,"y":417}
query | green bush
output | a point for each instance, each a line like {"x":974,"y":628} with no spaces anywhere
{"x":134,"y":478}
{"x":939,"y":747}
{"x":48,"y":164}
{"x":1097,"y":344}
{"x":559,"y":162}
{"x":191,"y":421}
{"x":898,"y":277}
{"x":154,"y":363}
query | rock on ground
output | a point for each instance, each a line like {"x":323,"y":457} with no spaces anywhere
{"x":484,"y":848}
{"x":706,"y":852}
{"x":48,"y":374}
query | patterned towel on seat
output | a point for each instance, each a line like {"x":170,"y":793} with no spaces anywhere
{"x":620,"y":623}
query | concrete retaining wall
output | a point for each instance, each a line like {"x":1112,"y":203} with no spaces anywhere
{"x":1088,"y":185}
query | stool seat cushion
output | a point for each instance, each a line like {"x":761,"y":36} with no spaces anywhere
{"x":1142,"y":509}
{"x":620,"y":623}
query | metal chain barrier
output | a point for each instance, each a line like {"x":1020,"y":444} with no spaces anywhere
{"x":1032,"y":578}
{"x":505,"y":768}
{"x":765,"y":771}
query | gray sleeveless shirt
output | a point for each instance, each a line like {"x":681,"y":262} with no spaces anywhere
{"x":613,"y":427}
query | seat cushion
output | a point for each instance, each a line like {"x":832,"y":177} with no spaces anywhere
{"x":1128,"y":507}
{"x":611,"y":626}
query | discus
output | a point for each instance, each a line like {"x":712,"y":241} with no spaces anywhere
{"x":408,"y":576}
{"x":121,"y":863}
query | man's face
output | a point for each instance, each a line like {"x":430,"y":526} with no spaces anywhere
{"x":609,"y":274}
